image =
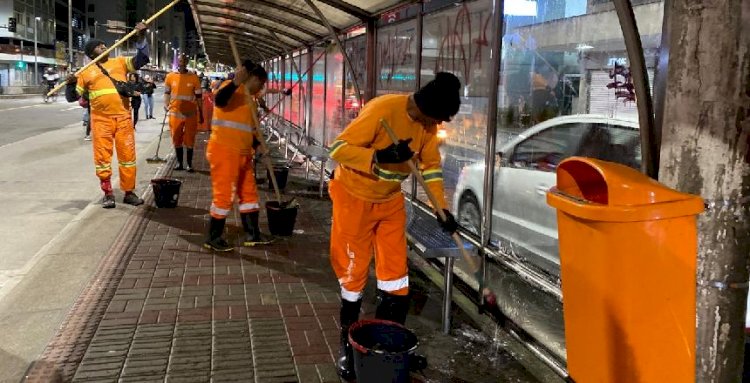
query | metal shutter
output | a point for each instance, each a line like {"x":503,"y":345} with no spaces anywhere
{"x":602,"y":100}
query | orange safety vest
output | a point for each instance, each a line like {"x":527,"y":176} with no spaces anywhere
{"x":234,"y":125}
{"x":102,"y":95}
{"x":182,"y":87}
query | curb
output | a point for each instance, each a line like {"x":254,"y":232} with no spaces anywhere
{"x":62,"y":355}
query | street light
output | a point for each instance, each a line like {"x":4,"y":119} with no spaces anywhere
{"x":36,"y":53}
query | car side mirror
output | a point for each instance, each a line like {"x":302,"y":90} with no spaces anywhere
{"x":500,"y":160}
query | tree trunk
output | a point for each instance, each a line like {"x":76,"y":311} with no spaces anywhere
{"x":705,"y":151}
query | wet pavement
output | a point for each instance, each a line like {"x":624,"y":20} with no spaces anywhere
{"x":162,"y":308}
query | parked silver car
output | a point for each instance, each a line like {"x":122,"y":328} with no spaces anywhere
{"x":522,"y":222}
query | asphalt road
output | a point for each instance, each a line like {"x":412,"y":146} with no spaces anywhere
{"x":24,"y":118}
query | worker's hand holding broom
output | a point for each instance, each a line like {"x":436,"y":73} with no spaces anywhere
{"x":445,"y":218}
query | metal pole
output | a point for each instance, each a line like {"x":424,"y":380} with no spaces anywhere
{"x":418,"y":73}
{"x":649,"y":148}
{"x":36,"y":53}
{"x":370,"y":64}
{"x":96,"y":27}
{"x":70,"y":32}
{"x":308,"y":101}
{"x":489,"y":165}
{"x":448,"y":295}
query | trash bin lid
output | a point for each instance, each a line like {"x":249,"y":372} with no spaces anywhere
{"x":606,"y":191}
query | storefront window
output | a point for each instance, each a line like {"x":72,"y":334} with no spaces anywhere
{"x":396,"y":58}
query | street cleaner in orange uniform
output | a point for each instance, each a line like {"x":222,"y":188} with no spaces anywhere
{"x":368,"y":206}
{"x":111,"y":120}
{"x":183,"y":103}
{"x":230,"y":153}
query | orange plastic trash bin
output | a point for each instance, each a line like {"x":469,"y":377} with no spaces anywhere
{"x":628,"y":247}
{"x":208,"y":110}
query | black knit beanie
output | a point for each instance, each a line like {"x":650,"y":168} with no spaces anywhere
{"x":248,"y":64}
{"x":90,"y":46}
{"x":440,"y":98}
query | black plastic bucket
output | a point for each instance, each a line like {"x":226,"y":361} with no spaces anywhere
{"x":281,"y":220}
{"x":282,"y":174}
{"x":166,"y":191}
{"x":381,"y":350}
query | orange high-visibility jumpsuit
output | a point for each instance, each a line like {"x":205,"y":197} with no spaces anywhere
{"x":111,"y":121}
{"x":230,"y":154}
{"x":368,"y":206}
{"x":184,"y":89}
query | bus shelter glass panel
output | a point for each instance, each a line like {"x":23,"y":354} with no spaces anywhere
{"x":334,"y":93}
{"x":288,"y":101}
{"x":457,"y":41}
{"x":318,"y":96}
{"x":396,"y":58}
{"x":356,"y":48}
{"x":302,"y":65}
{"x":565,"y":90}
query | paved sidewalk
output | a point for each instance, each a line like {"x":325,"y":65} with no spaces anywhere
{"x":162,"y":308}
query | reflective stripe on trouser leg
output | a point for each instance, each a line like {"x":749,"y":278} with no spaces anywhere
{"x":224,"y":164}
{"x":177,"y":130}
{"x":247,"y":190}
{"x":351,"y":241}
{"x":390,"y":248}
{"x":125,"y":145}
{"x":103,"y":131}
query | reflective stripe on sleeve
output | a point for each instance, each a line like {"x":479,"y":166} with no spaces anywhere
{"x":432,"y":175}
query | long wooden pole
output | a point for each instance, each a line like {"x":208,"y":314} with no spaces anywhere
{"x":435,"y":203}
{"x":258,"y":133}
{"x":115,"y":45}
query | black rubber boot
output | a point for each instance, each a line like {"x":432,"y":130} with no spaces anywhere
{"x":215,"y":242}
{"x":189,"y":155}
{"x":253,"y":236}
{"x":395,"y":308}
{"x":178,"y":154}
{"x":347,"y":316}
{"x":392,"y":307}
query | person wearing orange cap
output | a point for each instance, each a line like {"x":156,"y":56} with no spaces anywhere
{"x":109,"y":95}
{"x":182,"y":101}
{"x":368,"y":206}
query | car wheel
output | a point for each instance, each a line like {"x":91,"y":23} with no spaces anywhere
{"x":469,"y":215}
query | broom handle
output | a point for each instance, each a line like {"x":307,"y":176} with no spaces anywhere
{"x":258,"y":133}
{"x":413,"y":167}
{"x":115,"y":45}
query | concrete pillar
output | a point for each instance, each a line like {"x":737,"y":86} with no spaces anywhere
{"x":705,"y":151}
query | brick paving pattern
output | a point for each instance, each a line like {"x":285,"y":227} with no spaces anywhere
{"x":180,"y":313}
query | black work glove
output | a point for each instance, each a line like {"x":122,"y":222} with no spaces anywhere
{"x":449,"y":225}
{"x":287,"y":92}
{"x":395,"y":154}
